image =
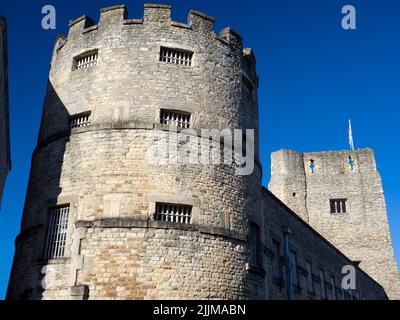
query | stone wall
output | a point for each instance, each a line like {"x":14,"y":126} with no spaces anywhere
{"x":115,"y":249}
{"x":308,"y":245}
{"x":362,"y":233}
{"x":5,"y":159}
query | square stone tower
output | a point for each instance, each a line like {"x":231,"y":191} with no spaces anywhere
{"x":340,"y":194}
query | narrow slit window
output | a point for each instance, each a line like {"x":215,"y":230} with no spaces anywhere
{"x":333,"y":285}
{"x":56,"y":232}
{"x":173,"y":213}
{"x":80,"y":120}
{"x":338,"y":206}
{"x":176,"y":56}
{"x":86,"y":60}
{"x":175,"y":118}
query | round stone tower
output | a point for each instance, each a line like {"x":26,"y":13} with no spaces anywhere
{"x":101,"y":220}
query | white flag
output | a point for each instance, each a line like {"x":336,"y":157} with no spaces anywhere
{"x":351,"y":137}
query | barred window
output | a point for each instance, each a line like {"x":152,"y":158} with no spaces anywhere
{"x":86,"y":60}
{"x":56,"y":232}
{"x":176,"y":56}
{"x":173,"y":213}
{"x":338,"y":205}
{"x":80,"y":120}
{"x":255,"y":248}
{"x":175,"y":118}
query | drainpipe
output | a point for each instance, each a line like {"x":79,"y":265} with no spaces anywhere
{"x":286,"y":232}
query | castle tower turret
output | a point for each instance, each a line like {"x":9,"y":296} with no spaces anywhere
{"x":340,"y":194}
{"x":100,"y":220}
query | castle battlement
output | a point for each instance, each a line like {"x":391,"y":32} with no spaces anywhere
{"x":102,"y":219}
{"x":155,"y":16}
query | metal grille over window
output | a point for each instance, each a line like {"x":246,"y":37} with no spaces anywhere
{"x":173,"y":213}
{"x":176,"y":56}
{"x":175,"y":118}
{"x":338,"y":206}
{"x":86,"y":60}
{"x":293,"y":264}
{"x":57,"y":232}
{"x":80,"y":120}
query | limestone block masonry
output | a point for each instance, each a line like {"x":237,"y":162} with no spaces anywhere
{"x":110,"y":79}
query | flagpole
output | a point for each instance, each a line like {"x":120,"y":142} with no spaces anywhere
{"x":351,"y":142}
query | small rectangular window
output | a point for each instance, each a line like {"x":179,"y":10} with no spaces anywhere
{"x":322,"y":284}
{"x":338,"y":205}
{"x":173,"y":213}
{"x":176,"y":56}
{"x":277,"y":265}
{"x":56,"y":232}
{"x":310,"y":282}
{"x":86,"y":60}
{"x":176,"y":118}
{"x":255,"y":245}
{"x":80,"y":120}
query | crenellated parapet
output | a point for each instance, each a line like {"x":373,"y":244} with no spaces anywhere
{"x":156,"y":16}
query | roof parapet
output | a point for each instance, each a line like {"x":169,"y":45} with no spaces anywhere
{"x":232,"y":37}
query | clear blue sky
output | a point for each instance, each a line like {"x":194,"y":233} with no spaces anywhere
{"x":313,"y":77}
